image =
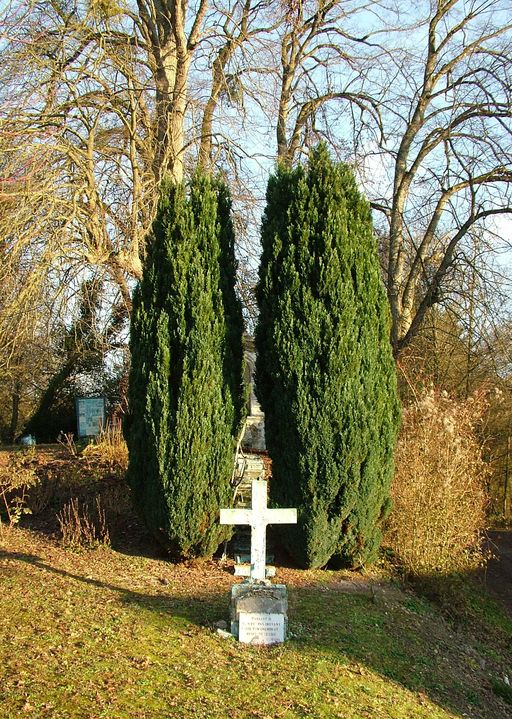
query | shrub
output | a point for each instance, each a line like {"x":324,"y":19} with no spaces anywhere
{"x":42,"y":494}
{"x":439,"y":497}
{"x":17,"y":478}
{"x":83,"y":525}
{"x":325,"y":374}
{"x":185,"y":390}
{"x":109,"y":447}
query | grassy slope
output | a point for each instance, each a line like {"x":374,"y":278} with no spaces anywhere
{"x":101,"y":634}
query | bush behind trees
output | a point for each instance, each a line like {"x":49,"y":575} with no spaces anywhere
{"x":185,"y":388}
{"x":325,"y":372}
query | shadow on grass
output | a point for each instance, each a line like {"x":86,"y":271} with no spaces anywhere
{"x":397,"y":635}
{"x":201,"y":609}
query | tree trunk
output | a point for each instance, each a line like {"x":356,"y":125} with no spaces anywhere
{"x":15,"y":409}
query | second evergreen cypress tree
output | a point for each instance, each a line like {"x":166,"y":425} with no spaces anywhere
{"x":325,"y":373}
{"x":185,"y":391}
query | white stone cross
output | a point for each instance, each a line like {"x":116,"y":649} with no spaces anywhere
{"x":258,"y":517}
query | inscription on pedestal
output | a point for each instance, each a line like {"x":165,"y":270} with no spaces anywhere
{"x":261,"y":628}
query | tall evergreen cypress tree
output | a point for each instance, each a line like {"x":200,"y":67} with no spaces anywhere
{"x":186,"y":374}
{"x":232,"y":307}
{"x":325,"y":373}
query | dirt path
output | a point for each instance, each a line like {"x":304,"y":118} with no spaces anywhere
{"x":498,"y":575}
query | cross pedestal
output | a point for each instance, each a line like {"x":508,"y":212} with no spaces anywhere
{"x":257,"y":518}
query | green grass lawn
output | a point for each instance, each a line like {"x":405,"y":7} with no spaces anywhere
{"x":104,"y":634}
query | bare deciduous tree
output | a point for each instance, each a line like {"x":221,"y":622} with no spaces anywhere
{"x":322,"y":73}
{"x":99,"y":100}
{"x":448,"y":149}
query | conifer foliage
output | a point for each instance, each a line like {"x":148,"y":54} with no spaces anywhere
{"x":325,"y":373}
{"x":185,"y":392}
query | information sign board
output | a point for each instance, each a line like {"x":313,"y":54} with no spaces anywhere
{"x":90,"y":413}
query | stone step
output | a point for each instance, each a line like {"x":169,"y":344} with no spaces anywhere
{"x":249,"y":467}
{"x":243,"y":556}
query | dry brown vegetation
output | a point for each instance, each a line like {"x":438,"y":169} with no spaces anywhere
{"x":439,"y":495}
{"x":83,"y":525}
{"x":79,"y":498}
{"x":109,"y":447}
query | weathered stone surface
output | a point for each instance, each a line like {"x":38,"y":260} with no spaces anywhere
{"x":254,"y":437}
{"x":250,"y":366}
{"x":251,"y":598}
{"x":254,"y":467}
{"x":244,"y":570}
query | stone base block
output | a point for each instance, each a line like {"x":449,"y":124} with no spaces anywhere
{"x":259,"y":612}
{"x":243,"y":569}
